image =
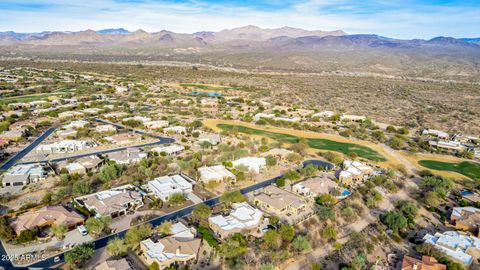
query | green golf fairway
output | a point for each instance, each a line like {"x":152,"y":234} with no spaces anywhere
{"x":467,"y":168}
{"x":322,"y":144}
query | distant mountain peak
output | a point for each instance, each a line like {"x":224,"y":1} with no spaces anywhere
{"x":113,"y":31}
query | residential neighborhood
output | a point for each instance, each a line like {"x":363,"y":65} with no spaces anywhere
{"x":179,"y":178}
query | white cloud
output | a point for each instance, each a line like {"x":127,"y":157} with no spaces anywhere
{"x":424,"y":21}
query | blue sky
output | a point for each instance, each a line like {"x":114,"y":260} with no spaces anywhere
{"x":392,"y":18}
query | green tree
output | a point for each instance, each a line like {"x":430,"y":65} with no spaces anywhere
{"x":96,"y":226}
{"x":270,"y":160}
{"x":374,"y":198}
{"x":394,"y":220}
{"x":135,"y":235}
{"x":110,"y":172}
{"x":438,"y":184}
{"x":267,"y":266}
{"x":233,"y":246}
{"x":26,"y":236}
{"x":201,"y":211}
{"x":431,"y":199}
{"x":326,"y":199}
{"x":79,"y":255}
{"x":59,"y":230}
{"x":6,"y":232}
{"x":154,"y":266}
{"x":301,"y":244}
{"x":116,"y":247}
{"x":396,"y":143}
{"x":294,"y":157}
{"x":315,"y":266}
{"x":332,"y":157}
{"x":280,"y":182}
{"x":349,"y":214}
{"x":299,"y":148}
{"x":329,"y":232}
{"x":391,"y":129}
{"x":408,"y":209}
{"x":176,"y":199}
{"x":292,"y":175}
{"x":81,"y":188}
{"x":326,"y":213}
{"x":358,"y":262}
{"x":228,"y":198}
{"x":379,"y":136}
{"x":272,"y":239}
{"x":309,"y":170}
{"x":165,"y":228}
{"x":287,"y":232}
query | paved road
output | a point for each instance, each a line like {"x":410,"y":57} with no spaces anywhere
{"x":11,"y":161}
{"x":161,"y":140}
{"x":165,"y":140}
{"x":102,"y":242}
{"x":102,"y":152}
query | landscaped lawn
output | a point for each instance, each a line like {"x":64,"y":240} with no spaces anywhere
{"x":467,"y":168}
{"x":34,"y":97}
{"x":322,"y":144}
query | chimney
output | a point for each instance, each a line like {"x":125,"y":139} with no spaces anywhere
{"x":177,"y":252}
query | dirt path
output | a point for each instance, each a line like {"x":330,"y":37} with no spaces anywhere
{"x":400,"y":158}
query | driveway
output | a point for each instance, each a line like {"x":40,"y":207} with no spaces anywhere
{"x":72,"y":237}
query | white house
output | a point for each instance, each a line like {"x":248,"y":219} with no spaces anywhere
{"x":458,"y":246}
{"x":169,"y":150}
{"x":437,"y":133}
{"x":65,"y":146}
{"x":105,"y":129}
{"x":211,"y":138}
{"x":128,"y":156}
{"x":242,"y":218}
{"x":76,"y":124}
{"x":92,"y":110}
{"x":259,"y":116}
{"x":75,"y":167}
{"x":69,"y":114}
{"x":175,"y":129}
{"x":254,"y":164}
{"x":69,"y":133}
{"x":113,"y":202}
{"x":447,"y":145}
{"x":287,"y":119}
{"x":157,"y":124}
{"x":179,"y":248}
{"x":355,"y":118}
{"x":324,"y":114}
{"x":354,"y":171}
{"x":163,"y":187}
{"x":215,"y":173}
{"x":21,"y":175}
{"x":141,"y":119}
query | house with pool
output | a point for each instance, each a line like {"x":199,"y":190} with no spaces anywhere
{"x":321,"y":184}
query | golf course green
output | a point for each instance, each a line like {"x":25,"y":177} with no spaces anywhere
{"x":467,"y":168}
{"x":322,"y":144}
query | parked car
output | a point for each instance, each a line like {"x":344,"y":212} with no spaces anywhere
{"x":82,"y":230}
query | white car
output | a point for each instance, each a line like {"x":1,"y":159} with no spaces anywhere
{"x":82,"y":230}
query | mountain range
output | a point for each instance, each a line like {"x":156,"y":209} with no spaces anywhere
{"x":249,"y":35}
{"x":250,"y":46}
